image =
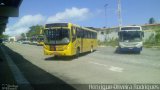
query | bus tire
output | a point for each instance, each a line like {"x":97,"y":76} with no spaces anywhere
{"x":55,"y":56}
{"x":138,"y":52}
{"x":91,"y":49}
{"x":77,"y":52}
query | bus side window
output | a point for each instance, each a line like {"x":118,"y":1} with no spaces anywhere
{"x":73,"y":31}
{"x":78,"y":32}
{"x":95,"y":35}
{"x":85,"y":34}
{"x":82,"y":33}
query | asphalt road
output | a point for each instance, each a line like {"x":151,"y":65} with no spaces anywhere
{"x":102,"y":66}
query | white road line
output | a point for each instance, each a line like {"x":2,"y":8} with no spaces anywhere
{"x":22,"y":82}
{"x":99,"y":64}
{"x":111,"y":68}
{"x":116,"y":69}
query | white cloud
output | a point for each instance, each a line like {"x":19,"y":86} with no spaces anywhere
{"x":29,"y":20}
{"x":68,"y":15}
{"x":73,"y":14}
{"x":24,"y":23}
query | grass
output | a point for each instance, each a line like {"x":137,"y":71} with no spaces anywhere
{"x":112,"y":42}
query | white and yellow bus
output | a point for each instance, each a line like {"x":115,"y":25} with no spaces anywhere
{"x":67,"y":39}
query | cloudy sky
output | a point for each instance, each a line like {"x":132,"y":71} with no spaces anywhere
{"x":82,"y":12}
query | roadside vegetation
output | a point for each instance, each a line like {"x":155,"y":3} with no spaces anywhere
{"x":32,"y":32}
{"x":154,"y":39}
{"x":113,"y":42}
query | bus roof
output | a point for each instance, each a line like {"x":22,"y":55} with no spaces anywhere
{"x":130,"y":28}
{"x":88,"y":29}
{"x":66,"y":25}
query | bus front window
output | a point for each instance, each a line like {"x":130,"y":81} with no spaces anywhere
{"x":57,"y":36}
{"x":131,"y":36}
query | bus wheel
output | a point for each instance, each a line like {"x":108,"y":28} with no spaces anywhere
{"x":77,"y":52}
{"x":55,"y":56}
{"x":91,"y":49}
{"x":138,"y":52}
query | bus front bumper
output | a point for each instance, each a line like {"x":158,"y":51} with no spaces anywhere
{"x":57,"y":53}
{"x":127,"y":49}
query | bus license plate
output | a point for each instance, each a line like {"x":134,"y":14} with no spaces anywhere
{"x":130,"y":48}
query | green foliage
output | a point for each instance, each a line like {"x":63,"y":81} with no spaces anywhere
{"x":157,"y":36}
{"x":154,"y":27}
{"x":4,"y":36}
{"x":151,"y":21}
{"x":34,"y":30}
{"x":111,"y":42}
{"x":150,"y":41}
{"x":23,"y":35}
{"x":153,"y":40}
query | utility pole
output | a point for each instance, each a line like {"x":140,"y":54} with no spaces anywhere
{"x":119,"y":13}
{"x":105,"y":8}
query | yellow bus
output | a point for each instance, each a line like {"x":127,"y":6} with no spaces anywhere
{"x":67,"y":39}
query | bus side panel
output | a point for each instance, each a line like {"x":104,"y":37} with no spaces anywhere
{"x":89,"y":44}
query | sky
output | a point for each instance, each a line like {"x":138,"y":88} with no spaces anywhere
{"x":87,"y":13}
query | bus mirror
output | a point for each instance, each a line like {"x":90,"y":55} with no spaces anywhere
{"x":118,"y":33}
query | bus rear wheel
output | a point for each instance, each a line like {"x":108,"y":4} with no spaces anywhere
{"x":91,"y":49}
{"x":77,"y":52}
{"x":138,"y":52}
{"x":55,"y":56}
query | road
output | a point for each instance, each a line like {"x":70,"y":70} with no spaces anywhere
{"x":102,"y":66}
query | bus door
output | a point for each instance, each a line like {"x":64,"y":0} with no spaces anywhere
{"x":79,"y":33}
{"x":81,"y":40}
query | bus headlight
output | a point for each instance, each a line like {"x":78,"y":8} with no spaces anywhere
{"x":121,"y":45}
{"x":139,"y":44}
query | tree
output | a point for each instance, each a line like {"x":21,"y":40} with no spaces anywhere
{"x":152,"y":21}
{"x":23,"y":35}
{"x":34,"y":30}
{"x":4,"y":36}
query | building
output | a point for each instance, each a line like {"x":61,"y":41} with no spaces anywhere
{"x":12,"y":39}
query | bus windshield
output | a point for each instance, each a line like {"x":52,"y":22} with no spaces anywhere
{"x":130,"y":28}
{"x":130,"y":36}
{"x":57,"y":36}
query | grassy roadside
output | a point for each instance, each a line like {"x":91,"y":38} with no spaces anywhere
{"x":153,"y":40}
{"x":113,"y":42}
{"x":150,"y":45}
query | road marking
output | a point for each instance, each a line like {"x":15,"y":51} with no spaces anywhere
{"x":99,"y":64}
{"x":111,"y":68}
{"x":116,"y":69}
{"x":18,"y":76}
